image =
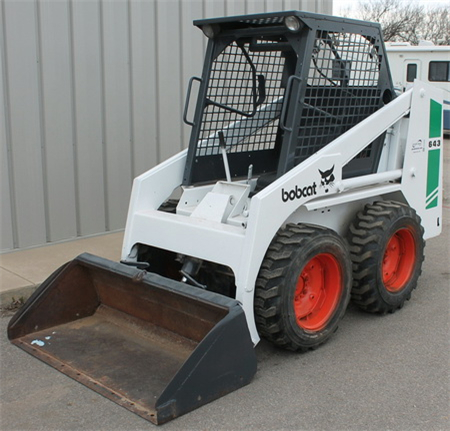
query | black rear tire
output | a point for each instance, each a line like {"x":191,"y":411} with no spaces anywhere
{"x":303,"y":287}
{"x":387,"y":250}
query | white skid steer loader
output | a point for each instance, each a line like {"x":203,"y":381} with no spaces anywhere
{"x":306,"y":182}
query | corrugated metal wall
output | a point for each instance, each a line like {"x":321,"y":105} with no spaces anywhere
{"x":92,"y":95}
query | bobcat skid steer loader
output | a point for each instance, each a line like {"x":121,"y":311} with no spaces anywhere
{"x":306,"y":182}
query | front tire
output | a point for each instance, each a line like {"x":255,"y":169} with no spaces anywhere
{"x":386,"y":246}
{"x":303,"y":287}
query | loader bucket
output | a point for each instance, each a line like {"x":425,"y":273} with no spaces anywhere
{"x":157,"y":347}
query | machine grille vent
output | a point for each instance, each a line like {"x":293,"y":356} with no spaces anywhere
{"x":265,"y":21}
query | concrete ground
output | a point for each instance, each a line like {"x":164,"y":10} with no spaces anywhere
{"x":377,"y":373}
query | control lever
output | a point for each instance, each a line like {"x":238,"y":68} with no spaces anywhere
{"x":223,"y":149}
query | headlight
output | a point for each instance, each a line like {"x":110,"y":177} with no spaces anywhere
{"x":211,"y":30}
{"x":292,"y":23}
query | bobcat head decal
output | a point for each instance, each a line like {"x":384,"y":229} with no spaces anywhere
{"x":327,"y":178}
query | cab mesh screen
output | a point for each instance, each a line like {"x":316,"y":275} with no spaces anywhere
{"x":342,"y":90}
{"x":244,"y":99}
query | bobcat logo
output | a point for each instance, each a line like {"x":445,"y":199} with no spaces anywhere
{"x":327,"y":179}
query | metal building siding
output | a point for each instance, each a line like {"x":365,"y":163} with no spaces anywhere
{"x":56,"y":118}
{"x":87,"y":125}
{"x":92,"y":94}
{"x":20,"y":63}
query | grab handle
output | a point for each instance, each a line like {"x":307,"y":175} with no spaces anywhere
{"x":188,"y":97}
{"x":286,"y":102}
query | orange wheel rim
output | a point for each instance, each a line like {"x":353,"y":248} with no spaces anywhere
{"x":399,"y":260}
{"x":318,"y":291}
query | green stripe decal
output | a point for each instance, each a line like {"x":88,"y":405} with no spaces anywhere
{"x":435,"y":119}
{"x":432,"y":204}
{"x":432,"y":196}
{"x":434,"y":157}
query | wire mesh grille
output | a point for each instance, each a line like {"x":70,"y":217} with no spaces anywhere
{"x":342,"y":90}
{"x":245,"y":81}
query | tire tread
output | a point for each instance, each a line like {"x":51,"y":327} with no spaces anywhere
{"x":363,"y":238}
{"x":268,"y":312}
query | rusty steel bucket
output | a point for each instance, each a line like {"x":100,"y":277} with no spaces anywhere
{"x":157,"y":347}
